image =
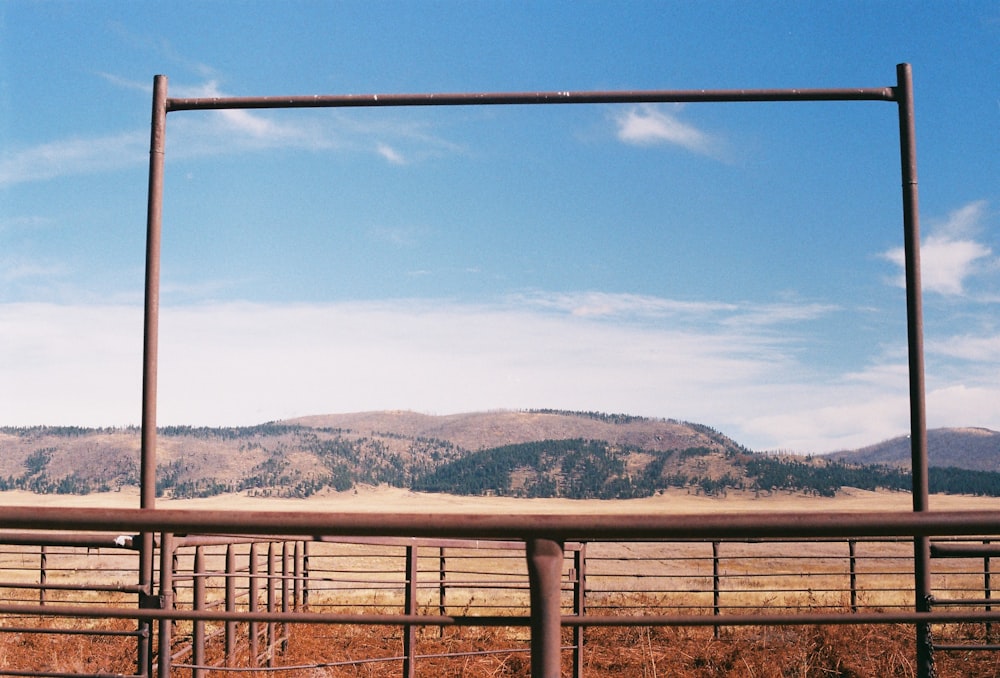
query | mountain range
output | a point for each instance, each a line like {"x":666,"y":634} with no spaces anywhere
{"x":537,"y":453}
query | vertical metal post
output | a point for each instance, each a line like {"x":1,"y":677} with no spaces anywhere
{"x":305,"y":575}
{"x":716,"y":580}
{"x":853,"y":564}
{"x":545,"y":560}
{"x":297,"y":573}
{"x":915,"y":345}
{"x":579,"y":607}
{"x":442,"y":588}
{"x":166,"y":603}
{"x":253,"y":593}
{"x":271,"y":606}
{"x":410,"y":607}
{"x":988,"y":591}
{"x":43,"y":574}
{"x":285,"y":607}
{"x":147,"y":465}
{"x":230,"y":625}
{"x":198,"y":626}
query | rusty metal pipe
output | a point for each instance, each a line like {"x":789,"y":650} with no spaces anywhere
{"x":150,"y":338}
{"x":915,"y":346}
{"x":74,"y":540}
{"x":793,"y":619}
{"x":545,"y":561}
{"x":198,"y":627}
{"x":528,"y":98}
{"x":230,"y":634}
{"x":166,"y":602}
{"x":627,"y":527}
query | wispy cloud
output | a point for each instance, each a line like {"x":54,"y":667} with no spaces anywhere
{"x":241,"y":363}
{"x":619,"y":306}
{"x":390,"y":154}
{"x":218,"y":132}
{"x":649,"y":124}
{"x":950,"y":254}
{"x":74,"y":156}
{"x":983,"y":348}
{"x":16,"y":269}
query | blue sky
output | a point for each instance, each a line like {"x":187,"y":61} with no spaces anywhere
{"x":737,"y":265}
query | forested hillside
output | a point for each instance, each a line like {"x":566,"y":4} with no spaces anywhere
{"x":522,"y":454}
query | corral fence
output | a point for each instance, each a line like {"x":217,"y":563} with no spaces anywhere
{"x":226,"y":602}
{"x":160,"y":603}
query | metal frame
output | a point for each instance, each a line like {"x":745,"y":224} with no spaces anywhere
{"x":900,"y":93}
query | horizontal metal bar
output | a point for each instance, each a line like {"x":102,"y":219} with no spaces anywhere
{"x":94,"y":612}
{"x":499,"y":526}
{"x":51,"y":674}
{"x":112,"y":588}
{"x":964,"y":550}
{"x":804,"y":619}
{"x":522,"y":98}
{"x":970,"y":602}
{"x":74,"y":540}
{"x":54,"y":630}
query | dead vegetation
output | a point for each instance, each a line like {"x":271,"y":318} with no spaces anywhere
{"x":636,"y":652}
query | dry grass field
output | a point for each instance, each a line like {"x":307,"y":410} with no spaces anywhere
{"x":394,"y":500}
{"x":620,"y":652}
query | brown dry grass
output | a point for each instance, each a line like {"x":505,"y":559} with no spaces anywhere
{"x":641,"y":652}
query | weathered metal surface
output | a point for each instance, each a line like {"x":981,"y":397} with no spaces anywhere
{"x":532,"y":98}
{"x":530,"y":526}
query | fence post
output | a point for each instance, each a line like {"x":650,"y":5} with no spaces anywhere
{"x":253,"y":591}
{"x":410,"y":607}
{"x":579,"y":606}
{"x":198,"y":626}
{"x":284,"y":593}
{"x":297,"y":572}
{"x":305,"y":575}
{"x":166,"y":602}
{"x":852,"y":550}
{"x":271,"y":571}
{"x":230,"y":605}
{"x":442,"y":588}
{"x":545,"y":560}
{"x":42,"y":574}
{"x":987,"y":591}
{"x":716,"y":585}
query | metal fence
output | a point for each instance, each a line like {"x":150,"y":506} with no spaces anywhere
{"x":160,"y":603}
{"x":239,"y":594}
{"x":542,"y":551}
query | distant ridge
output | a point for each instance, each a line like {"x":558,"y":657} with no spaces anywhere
{"x":533,"y":453}
{"x":479,"y":430}
{"x":975,"y":449}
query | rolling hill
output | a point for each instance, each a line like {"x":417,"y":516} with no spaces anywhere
{"x":975,"y":449}
{"x":539,"y":453}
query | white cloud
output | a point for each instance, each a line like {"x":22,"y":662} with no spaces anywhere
{"x":949,"y":255}
{"x":638,"y":306}
{"x":240,"y":363}
{"x":73,"y":156}
{"x":390,"y":154}
{"x":15,"y":269}
{"x":648,"y":124}
{"x":983,"y":349}
{"x":198,"y":134}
